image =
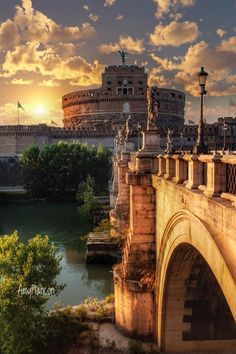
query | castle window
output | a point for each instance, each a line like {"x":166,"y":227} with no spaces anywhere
{"x":119,"y":82}
{"x":172,"y":95}
{"x":130,"y":91}
{"x":125,"y":91}
{"x":109,"y":89}
{"x":180,"y":97}
{"x":140,"y":82}
{"x":119,"y":91}
{"x":130,"y":82}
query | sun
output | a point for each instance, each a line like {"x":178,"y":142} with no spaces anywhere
{"x":41,"y":110}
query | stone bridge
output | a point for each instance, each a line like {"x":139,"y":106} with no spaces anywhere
{"x":177,"y":280}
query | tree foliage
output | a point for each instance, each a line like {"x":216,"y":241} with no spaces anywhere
{"x":90,"y":207}
{"x":27,"y":275}
{"x":56,"y":171}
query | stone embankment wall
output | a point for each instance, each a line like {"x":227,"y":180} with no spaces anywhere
{"x":10,"y":172}
{"x":16,"y":139}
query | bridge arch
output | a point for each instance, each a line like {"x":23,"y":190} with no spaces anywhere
{"x":195,"y":289}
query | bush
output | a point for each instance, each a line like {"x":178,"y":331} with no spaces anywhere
{"x":110,"y":299}
{"x":103,"y":225}
{"x":135,"y":347}
{"x":61,"y":331}
{"x":81,"y":312}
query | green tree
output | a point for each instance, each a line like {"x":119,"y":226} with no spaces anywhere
{"x":27,"y":276}
{"x":56,"y":171}
{"x":85,"y":196}
{"x":32,"y":171}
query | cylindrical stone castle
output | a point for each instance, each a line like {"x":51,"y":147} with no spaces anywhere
{"x":123,"y":93}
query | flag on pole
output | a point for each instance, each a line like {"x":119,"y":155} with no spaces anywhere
{"x":20,"y":106}
{"x":232,"y":103}
{"x":191,"y":122}
{"x":53,"y":123}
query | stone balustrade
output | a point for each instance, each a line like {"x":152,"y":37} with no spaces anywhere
{"x":214,"y":175}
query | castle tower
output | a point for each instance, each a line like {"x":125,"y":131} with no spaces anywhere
{"x":123,"y":93}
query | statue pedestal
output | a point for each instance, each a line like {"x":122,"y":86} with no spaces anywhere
{"x":151,"y":141}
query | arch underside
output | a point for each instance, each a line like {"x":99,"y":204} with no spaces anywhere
{"x":194,"y":300}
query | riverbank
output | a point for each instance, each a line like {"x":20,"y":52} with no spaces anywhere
{"x":101,"y":335}
{"x":16,"y":194}
{"x":101,"y":248}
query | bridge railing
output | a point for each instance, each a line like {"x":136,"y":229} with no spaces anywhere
{"x":215,"y":175}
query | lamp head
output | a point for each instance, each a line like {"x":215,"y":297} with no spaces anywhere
{"x":202,"y":76}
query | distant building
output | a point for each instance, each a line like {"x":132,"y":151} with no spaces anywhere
{"x":15,"y":139}
{"x":123,"y":93}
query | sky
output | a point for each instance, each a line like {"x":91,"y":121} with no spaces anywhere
{"x":50,"y":48}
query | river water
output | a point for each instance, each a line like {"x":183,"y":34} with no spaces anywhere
{"x":65,"y":227}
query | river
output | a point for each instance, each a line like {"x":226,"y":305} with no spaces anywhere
{"x":65,"y":227}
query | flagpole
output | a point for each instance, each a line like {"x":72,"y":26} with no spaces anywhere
{"x":18,"y":115}
{"x":229,"y":108}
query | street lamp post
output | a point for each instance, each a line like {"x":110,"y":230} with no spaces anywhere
{"x":201,"y":147}
{"x":225,"y":127}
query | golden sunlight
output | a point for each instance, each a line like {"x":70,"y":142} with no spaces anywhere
{"x":41,"y":110}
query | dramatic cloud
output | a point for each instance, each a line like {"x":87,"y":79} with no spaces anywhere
{"x":157,"y":79}
{"x":119,"y":17}
{"x":29,"y":58}
{"x":174,"y":34}
{"x":221,"y":33}
{"x":228,"y":45}
{"x":49,"y":83}
{"x":109,"y":2}
{"x":21,"y":82}
{"x":29,"y":25}
{"x":93,"y":17}
{"x":165,"y":7}
{"x":134,"y":46}
{"x":165,"y":63}
{"x":221,"y":81}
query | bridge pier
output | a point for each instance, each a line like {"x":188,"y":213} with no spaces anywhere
{"x":119,"y":216}
{"x":134,"y":278}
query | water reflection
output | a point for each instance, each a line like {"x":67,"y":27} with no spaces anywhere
{"x":65,"y":227}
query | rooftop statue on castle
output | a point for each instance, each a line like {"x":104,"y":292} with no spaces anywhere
{"x":123,"y":54}
{"x":153,"y":108}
